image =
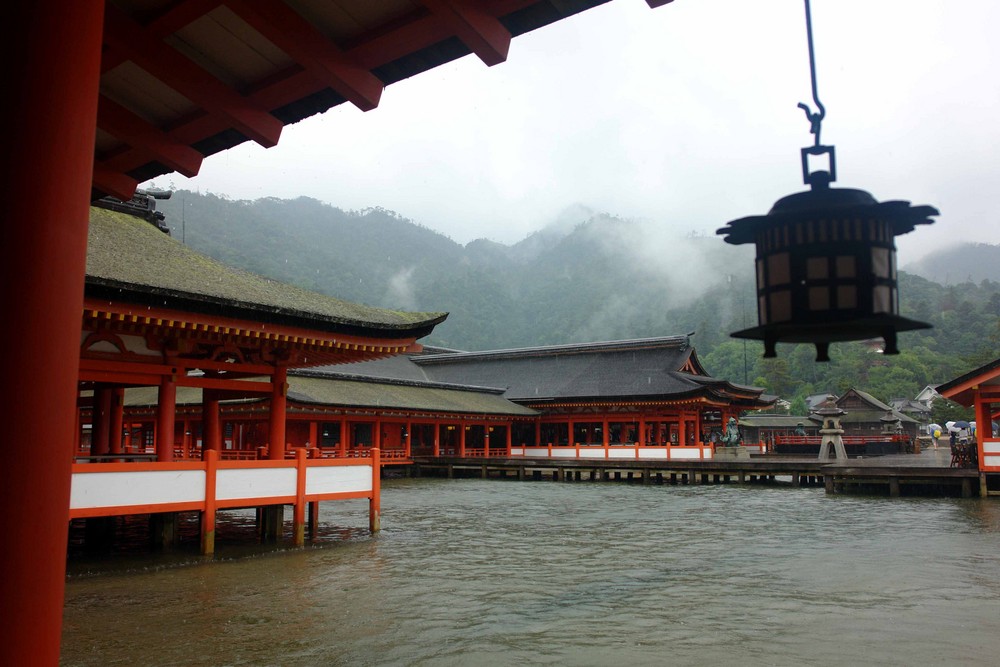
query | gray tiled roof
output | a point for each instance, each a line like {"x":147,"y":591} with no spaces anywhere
{"x":130,"y":260}
{"x":635,"y":369}
{"x":400,"y":395}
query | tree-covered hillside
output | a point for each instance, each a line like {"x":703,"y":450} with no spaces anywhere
{"x":586,"y":277}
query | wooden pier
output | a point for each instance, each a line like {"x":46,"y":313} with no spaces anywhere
{"x":927,"y":474}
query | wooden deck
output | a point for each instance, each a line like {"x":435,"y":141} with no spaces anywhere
{"x":926,"y":474}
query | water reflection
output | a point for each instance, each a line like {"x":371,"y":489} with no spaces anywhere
{"x":502,"y":573}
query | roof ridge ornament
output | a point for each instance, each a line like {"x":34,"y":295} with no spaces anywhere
{"x":826,"y":257}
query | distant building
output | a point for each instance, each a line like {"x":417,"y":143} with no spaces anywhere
{"x":918,"y":410}
{"x":867,"y":416}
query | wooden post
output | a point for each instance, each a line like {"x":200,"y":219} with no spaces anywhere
{"x":211,"y":431}
{"x":299,"y":508}
{"x":100,"y":431}
{"x":279,"y":402}
{"x":166,"y":413}
{"x":375,"y":503}
{"x":115,"y":433}
{"x":211,"y":458}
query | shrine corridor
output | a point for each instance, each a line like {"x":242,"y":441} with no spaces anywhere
{"x":474,"y":572}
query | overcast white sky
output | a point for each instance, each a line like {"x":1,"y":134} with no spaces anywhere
{"x":684,"y":115}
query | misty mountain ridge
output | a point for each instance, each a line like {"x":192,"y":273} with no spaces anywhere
{"x":585,"y":276}
{"x":959,"y":263}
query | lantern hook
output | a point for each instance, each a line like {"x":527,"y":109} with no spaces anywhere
{"x":815,"y":119}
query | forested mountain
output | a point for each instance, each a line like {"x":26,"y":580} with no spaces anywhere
{"x":585,"y":277}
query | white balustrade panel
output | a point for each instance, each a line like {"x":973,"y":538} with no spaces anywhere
{"x":652,"y":452}
{"x":130,"y":489}
{"x":239,"y":483}
{"x":689,"y":453}
{"x":592,"y":453}
{"x":621,"y":453}
{"x":563,"y":453}
{"x":338,"y":479}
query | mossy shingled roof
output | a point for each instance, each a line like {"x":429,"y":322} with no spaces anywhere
{"x":130,"y":260}
{"x":333,"y":392}
{"x":404,"y":396}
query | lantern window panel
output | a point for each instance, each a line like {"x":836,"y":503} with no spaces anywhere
{"x":882,"y":299}
{"x":847,"y":297}
{"x":819,"y":298}
{"x":881,"y":263}
{"x":778,"y":269}
{"x":817,"y":268}
{"x":781,"y":305}
{"x":847,"y":266}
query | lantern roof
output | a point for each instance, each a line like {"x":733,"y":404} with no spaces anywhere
{"x":845,"y":203}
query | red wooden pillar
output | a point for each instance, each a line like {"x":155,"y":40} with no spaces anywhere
{"x":375,"y":502}
{"x":165,"y":416}
{"x":343,"y":438}
{"x":409,"y":439}
{"x":437,"y":438}
{"x":100,"y":423}
{"x":211,"y":426}
{"x":510,"y":436}
{"x":48,"y":157}
{"x":462,"y":426}
{"x":117,"y":420}
{"x":313,"y":434}
{"x":984,"y":429}
{"x":279,"y":401}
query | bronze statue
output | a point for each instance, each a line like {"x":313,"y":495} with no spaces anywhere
{"x":732,"y":437}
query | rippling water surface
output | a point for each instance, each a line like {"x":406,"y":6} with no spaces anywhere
{"x":472,"y":572}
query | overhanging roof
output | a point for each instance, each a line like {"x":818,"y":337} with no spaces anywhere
{"x":185,"y":79}
{"x":964,"y":388}
{"x":651,"y":369}
{"x":130,"y":260}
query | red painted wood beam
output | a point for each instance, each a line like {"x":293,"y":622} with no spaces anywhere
{"x":311,"y":49}
{"x":133,"y":130}
{"x":114,"y":182}
{"x":129,"y":38}
{"x":480,"y":31}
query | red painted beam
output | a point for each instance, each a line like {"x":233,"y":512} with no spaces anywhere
{"x":480,"y":31}
{"x":133,"y":130}
{"x":113,"y":182}
{"x":130,"y":39}
{"x":311,"y":49}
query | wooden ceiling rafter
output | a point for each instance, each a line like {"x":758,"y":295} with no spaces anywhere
{"x":323,"y":71}
{"x":479,"y":30}
{"x":175,"y":70}
{"x":283,"y":27}
{"x":115,"y":119}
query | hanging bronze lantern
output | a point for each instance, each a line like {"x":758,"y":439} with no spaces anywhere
{"x":826,"y":258}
